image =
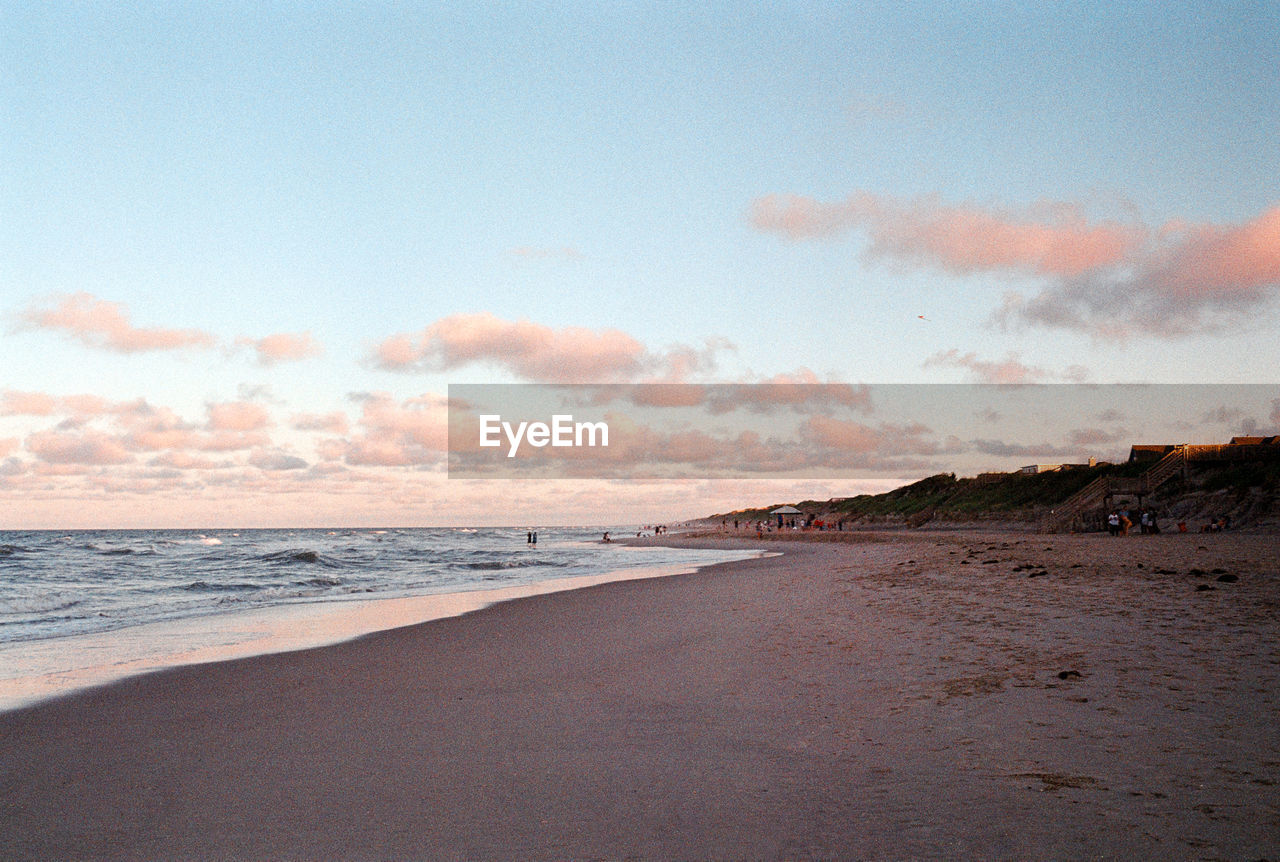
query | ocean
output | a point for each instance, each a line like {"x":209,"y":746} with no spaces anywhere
{"x":85,"y":607}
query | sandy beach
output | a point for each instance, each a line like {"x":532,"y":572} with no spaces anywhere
{"x":929,"y":695}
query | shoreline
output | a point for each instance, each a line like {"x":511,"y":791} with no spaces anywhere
{"x":40,"y":670}
{"x":967,"y":696}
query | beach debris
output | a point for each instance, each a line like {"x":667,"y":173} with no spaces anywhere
{"x":1038,"y":574}
{"x":1228,"y":579}
{"x":1199,"y":573}
{"x":1069,"y":674}
{"x":1203,"y":588}
{"x":989,"y":562}
{"x":1164,"y":571}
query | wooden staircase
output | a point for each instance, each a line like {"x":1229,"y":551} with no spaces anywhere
{"x":1095,"y":494}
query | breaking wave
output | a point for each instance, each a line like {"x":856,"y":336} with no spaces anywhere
{"x":304,"y":556}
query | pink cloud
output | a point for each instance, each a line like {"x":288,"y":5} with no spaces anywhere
{"x":158,"y":428}
{"x":1008,"y":370}
{"x":90,"y":448}
{"x":333,"y":423}
{"x":184,"y":461}
{"x":1052,"y":239}
{"x":14,"y":403}
{"x":282,"y":347}
{"x":666,"y":394}
{"x":45,"y":469}
{"x":395,"y":434}
{"x":367,"y":452}
{"x":238,"y":416}
{"x":232,"y":426}
{"x":856,"y":438}
{"x":1108,"y":278}
{"x":227,"y":441}
{"x":106,"y":325}
{"x":7,"y":445}
{"x":536,"y":352}
{"x":1191,"y":277}
{"x":798,"y":390}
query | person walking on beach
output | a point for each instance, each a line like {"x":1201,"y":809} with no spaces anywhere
{"x":1113,"y":523}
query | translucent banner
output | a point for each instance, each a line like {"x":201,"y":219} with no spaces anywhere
{"x":667,"y":431}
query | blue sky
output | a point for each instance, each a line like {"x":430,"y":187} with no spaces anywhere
{"x":356,"y":172}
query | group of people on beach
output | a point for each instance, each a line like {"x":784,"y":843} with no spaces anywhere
{"x":658,"y":530}
{"x":1119,"y":523}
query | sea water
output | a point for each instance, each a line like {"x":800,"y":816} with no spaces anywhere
{"x":81,"y":608}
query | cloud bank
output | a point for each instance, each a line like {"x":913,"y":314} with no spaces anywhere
{"x":539,"y":353}
{"x":106,"y":325}
{"x":1011,"y":369}
{"x":1107,"y":278}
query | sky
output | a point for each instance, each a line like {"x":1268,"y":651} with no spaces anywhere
{"x":245,"y":248}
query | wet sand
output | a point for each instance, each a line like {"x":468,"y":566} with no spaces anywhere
{"x":926,"y":695}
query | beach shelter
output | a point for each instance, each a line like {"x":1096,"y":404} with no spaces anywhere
{"x":783,"y":512}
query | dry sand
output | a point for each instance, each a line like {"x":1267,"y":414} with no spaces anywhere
{"x":918,"y":696}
